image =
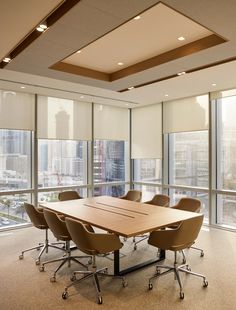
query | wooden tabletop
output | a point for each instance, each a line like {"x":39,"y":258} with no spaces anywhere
{"x":122,"y":217}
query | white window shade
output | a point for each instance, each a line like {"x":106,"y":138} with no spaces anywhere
{"x":111,"y":123}
{"x":189,"y":114}
{"x":147,"y":132}
{"x":64,"y":119}
{"x":223,"y":94}
{"x":17,"y":110}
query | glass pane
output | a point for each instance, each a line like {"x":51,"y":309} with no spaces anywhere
{"x":226,"y":143}
{"x":12,"y":212}
{"x":177,"y":194}
{"x":110,"y":161}
{"x":188,"y":158}
{"x":226,"y":211}
{"x":148,"y":170}
{"x":112,"y":190}
{"x":15,"y":159}
{"x":62,"y":162}
{"x":147,"y":191}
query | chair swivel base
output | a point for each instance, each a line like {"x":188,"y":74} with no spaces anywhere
{"x":94,"y":274}
{"x":176,"y":269}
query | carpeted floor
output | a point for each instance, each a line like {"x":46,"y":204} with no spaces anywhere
{"x":23,"y":287}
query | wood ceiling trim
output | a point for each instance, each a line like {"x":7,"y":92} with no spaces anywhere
{"x":69,"y":68}
{"x":62,"y":9}
{"x":221,"y":62}
{"x":185,"y":50}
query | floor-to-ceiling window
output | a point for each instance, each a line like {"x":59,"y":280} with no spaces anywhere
{"x":226,"y":161}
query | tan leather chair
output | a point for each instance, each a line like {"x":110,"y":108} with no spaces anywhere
{"x":177,"y":240}
{"x":69,"y":195}
{"x":92,"y":244}
{"x":132,"y":195}
{"x":58,"y":227}
{"x":192,"y":205}
{"x":37,"y":219}
{"x":157,"y":200}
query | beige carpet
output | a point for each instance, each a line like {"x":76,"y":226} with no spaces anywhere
{"x":23,"y":287}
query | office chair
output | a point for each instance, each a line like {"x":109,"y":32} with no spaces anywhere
{"x":91,"y":244}
{"x":69,"y":195}
{"x":132,"y":195}
{"x":177,"y":240}
{"x":157,"y":200}
{"x":37,"y":219}
{"x":58,"y":227}
{"x":192,"y":205}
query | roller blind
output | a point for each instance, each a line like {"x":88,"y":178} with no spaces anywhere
{"x":111,"y":123}
{"x":223,"y":94}
{"x":147,"y":132}
{"x":189,"y":114}
{"x":17,"y":110}
{"x":64,"y":119}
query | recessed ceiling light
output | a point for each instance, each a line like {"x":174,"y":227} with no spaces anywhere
{"x":213,"y":84}
{"x":181,"y":73}
{"x":127,"y":104}
{"x":22,"y":87}
{"x":181,"y":38}
{"x":78,"y":52}
{"x":131,"y":87}
{"x":82,"y":97}
{"x":7,"y":59}
{"x":137,"y":17}
{"x":120,"y":63}
{"x":43,"y":26}
{"x":40,"y":29}
{"x":166,"y":95}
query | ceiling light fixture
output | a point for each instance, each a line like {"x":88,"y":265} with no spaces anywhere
{"x":78,"y":52}
{"x":42,"y":27}
{"x":213,"y":84}
{"x":166,"y":95}
{"x":7,"y":59}
{"x":131,"y":87}
{"x":82,"y":97}
{"x":181,"y":73}
{"x":137,"y":17}
{"x":120,"y":63}
{"x":181,"y":38}
{"x":22,"y":87}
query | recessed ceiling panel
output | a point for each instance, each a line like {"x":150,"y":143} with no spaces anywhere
{"x":154,"y":33}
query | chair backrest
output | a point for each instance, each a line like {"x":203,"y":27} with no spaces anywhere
{"x":56,"y":225}
{"x":69,"y":195}
{"x":177,"y":239}
{"x":36,"y":217}
{"x":90,"y":242}
{"x":188,"y":204}
{"x":133,"y":195}
{"x":159,"y":200}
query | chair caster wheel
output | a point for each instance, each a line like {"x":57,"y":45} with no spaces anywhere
{"x":73,"y":278}
{"x":135,"y":247}
{"x":181,"y":295}
{"x":158,"y":271}
{"x":37,"y":262}
{"x":99,"y":300}
{"x":65,"y":295}
{"x":188,"y":268}
{"x":53,"y":279}
{"x":202,"y":254}
{"x":150,"y":286}
{"x":90,"y":261}
{"x":41,"y":268}
{"x":124,"y":283}
{"x":205,"y":283}
{"x":21,"y":256}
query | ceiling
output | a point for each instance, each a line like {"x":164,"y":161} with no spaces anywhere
{"x":98,"y":26}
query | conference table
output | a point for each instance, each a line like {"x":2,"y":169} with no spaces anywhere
{"x":121,"y":217}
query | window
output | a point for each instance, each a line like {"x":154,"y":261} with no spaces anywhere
{"x":15,"y":159}
{"x":148,"y":191}
{"x":148,"y":170}
{"x":226,"y":210}
{"x":188,"y":159}
{"x":110,"y":190}
{"x":62,"y":163}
